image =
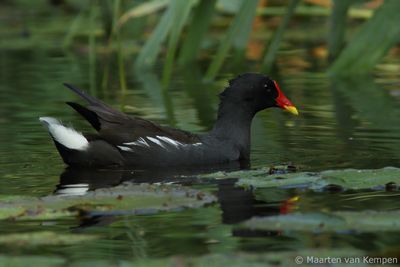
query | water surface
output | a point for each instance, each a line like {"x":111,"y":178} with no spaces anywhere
{"x":342,"y":124}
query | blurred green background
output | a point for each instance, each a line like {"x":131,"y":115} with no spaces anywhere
{"x":346,"y":37}
{"x":167,"y":60}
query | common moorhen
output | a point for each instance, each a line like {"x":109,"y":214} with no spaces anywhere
{"x":123,"y":140}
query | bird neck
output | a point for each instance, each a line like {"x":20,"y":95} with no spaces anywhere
{"x":233,"y":124}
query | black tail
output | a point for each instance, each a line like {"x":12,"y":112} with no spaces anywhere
{"x":96,"y":113}
{"x":89,"y":115}
{"x":90,"y":99}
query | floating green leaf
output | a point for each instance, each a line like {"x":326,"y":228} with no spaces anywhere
{"x":276,"y":259}
{"x":346,"y":179}
{"x":238,"y":174}
{"x":123,"y":199}
{"x":44,"y":238}
{"x":364,"y":221}
{"x":23,"y":261}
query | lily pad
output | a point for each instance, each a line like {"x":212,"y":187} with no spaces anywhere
{"x":262,"y":172}
{"x":335,"y":180}
{"x":23,"y":261}
{"x":123,"y":199}
{"x":44,"y":238}
{"x":234,"y":260}
{"x":342,"y":221}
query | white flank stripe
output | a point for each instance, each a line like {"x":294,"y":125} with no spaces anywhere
{"x":155,"y":141}
{"x":68,"y":137}
{"x":158,"y":140}
{"x":169,"y":141}
{"x":139,"y":142}
{"x":174,"y":142}
{"x":125,"y":148}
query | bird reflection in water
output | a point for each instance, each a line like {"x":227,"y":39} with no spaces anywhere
{"x":236,"y":203}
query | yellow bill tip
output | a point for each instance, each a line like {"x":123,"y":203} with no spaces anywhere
{"x":292,"y":109}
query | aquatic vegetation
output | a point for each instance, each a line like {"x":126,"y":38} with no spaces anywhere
{"x":144,"y":58}
{"x":276,"y":259}
{"x":237,"y":36}
{"x":283,"y":176}
{"x":317,"y":181}
{"x":273,"y":47}
{"x":42,"y":238}
{"x":341,"y":222}
{"x":183,"y":31}
{"x":120,"y":200}
{"x":371,"y":43}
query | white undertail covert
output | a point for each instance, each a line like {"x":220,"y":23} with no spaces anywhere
{"x":68,"y":137}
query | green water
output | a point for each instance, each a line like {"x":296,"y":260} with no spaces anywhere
{"x":342,"y":124}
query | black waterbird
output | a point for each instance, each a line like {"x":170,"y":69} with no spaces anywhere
{"x":126,"y":141}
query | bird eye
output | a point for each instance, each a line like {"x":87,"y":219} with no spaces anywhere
{"x":268,"y":88}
